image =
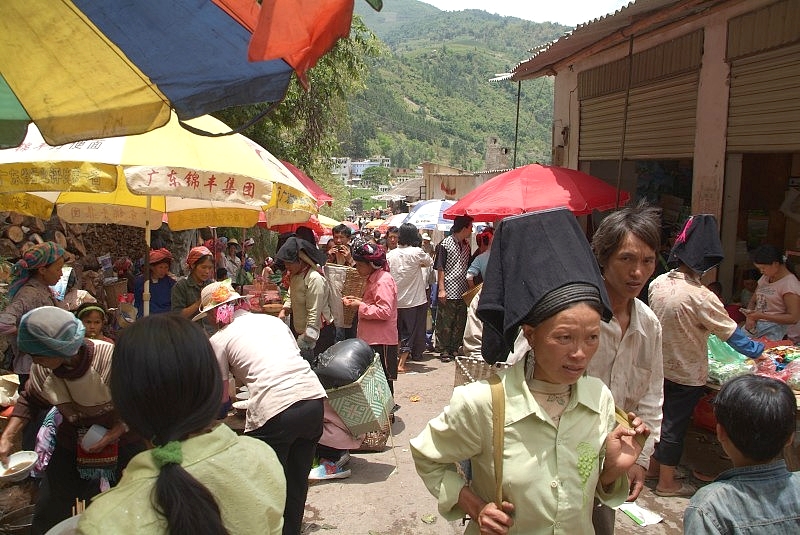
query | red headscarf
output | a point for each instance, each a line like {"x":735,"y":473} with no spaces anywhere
{"x":195,"y":254}
{"x":159,"y":255}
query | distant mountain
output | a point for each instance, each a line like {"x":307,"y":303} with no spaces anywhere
{"x":430,"y":97}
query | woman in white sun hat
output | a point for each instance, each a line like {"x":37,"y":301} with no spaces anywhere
{"x":285,"y":406}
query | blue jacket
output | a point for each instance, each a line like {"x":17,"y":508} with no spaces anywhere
{"x":755,"y":499}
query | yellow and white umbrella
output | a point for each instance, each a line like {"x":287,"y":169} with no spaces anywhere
{"x":194,"y":180}
{"x":375,"y":223}
{"x":170,"y":174}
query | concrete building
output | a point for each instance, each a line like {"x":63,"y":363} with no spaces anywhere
{"x":694,"y":104}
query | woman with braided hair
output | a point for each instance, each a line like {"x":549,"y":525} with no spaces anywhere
{"x":198,"y":476}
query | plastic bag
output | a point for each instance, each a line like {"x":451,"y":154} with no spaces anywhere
{"x":791,"y":374}
{"x":722,"y":352}
{"x":343,"y":363}
{"x":722,"y":372}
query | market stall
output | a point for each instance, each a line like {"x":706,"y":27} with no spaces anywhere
{"x":782,"y":363}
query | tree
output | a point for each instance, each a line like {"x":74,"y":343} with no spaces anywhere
{"x":376,"y":175}
{"x":303,"y":128}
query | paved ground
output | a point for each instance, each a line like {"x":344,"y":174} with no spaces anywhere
{"x":384,"y":496}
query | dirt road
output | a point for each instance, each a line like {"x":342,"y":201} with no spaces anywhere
{"x":384,"y":495}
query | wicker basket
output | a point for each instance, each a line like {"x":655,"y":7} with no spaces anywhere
{"x":272,"y":308}
{"x":365,"y":405}
{"x":113,"y":292}
{"x":376,"y":440}
{"x":354,"y":285}
{"x":344,"y":280}
{"x":471,"y":369}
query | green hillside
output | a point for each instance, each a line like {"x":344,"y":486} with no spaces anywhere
{"x":429,"y":97}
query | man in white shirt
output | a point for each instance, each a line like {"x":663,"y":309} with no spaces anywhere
{"x":629,"y":359}
{"x":407,"y":265}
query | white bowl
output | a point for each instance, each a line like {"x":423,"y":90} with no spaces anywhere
{"x":241,"y":405}
{"x":242,"y":395}
{"x":93,"y":436}
{"x":243,"y":388}
{"x":20,"y":465}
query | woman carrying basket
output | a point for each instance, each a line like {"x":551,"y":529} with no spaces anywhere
{"x":561,"y":445}
{"x":377,"y":309}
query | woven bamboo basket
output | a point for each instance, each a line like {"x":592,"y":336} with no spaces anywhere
{"x":113,"y":292}
{"x":376,"y":440}
{"x":471,"y":369}
{"x":354,"y":284}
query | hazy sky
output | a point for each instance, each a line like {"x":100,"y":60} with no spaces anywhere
{"x":568,"y":12}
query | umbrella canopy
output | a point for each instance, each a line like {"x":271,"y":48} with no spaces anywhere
{"x":316,"y":191}
{"x":428,"y":215}
{"x":83,"y":69}
{"x":375,"y":223}
{"x":321,"y":225}
{"x":300,"y":31}
{"x":537,"y":187}
{"x":395,"y":221}
{"x":195,"y":180}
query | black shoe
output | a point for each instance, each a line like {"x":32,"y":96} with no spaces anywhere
{"x":395,"y":408}
{"x":446,"y":358}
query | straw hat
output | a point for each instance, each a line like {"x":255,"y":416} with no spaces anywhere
{"x":214,"y":295}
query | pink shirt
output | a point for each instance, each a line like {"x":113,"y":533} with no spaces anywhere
{"x":769,"y":295}
{"x":377,"y":313}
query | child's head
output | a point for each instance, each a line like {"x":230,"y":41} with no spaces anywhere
{"x":221,"y":274}
{"x":750,"y":280}
{"x":758,"y":415}
{"x":93,"y":317}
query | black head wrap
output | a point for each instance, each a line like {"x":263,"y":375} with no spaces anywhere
{"x":541,"y":263}
{"x":292,"y":248}
{"x":698,"y":245}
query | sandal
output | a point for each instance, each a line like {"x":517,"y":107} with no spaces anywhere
{"x":705,"y":478}
{"x":679,"y":474}
{"x":687,"y":490}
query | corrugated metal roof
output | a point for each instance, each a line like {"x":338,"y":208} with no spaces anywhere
{"x":589,"y":33}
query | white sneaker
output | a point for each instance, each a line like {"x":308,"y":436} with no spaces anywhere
{"x":327,"y":470}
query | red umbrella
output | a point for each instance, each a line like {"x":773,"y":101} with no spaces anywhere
{"x":317,"y":192}
{"x":536,"y":187}
{"x":313,"y":223}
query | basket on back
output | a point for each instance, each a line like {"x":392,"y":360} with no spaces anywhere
{"x":471,"y":369}
{"x":344,"y":280}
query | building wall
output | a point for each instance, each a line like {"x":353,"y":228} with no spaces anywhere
{"x":723,"y":184}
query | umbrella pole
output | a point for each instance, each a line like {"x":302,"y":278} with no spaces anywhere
{"x":146,"y":292}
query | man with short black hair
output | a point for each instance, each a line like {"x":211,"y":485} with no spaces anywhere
{"x":755,"y":421}
{"x":392,"y":237}
{"x":339,"y":252}
{"x":452,"y":261}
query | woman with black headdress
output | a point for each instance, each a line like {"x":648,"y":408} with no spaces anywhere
{"x":561,"y":445}
{"x":307,"y":300}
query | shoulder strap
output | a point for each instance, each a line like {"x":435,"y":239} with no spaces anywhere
{"x":498,"y":423}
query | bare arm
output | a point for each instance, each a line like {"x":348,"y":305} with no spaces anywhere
{"x":790,"y":317}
